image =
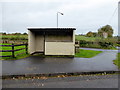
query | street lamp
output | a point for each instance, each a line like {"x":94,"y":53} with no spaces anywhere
{"x":57,"y":17}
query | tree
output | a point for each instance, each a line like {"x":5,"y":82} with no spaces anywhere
{"x":105,"y":31}
{"x":24,"y":33}
{"x":95,"y":34}
{"x":16,"y":33}
{"x":91,"y":34}
{"x":4,"y":33}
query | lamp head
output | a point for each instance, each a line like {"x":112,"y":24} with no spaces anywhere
{"x":60,"y":13}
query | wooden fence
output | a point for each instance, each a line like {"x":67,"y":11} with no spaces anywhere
{"x":13,"y":49}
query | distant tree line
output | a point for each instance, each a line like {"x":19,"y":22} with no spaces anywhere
{"x":4,"y":33}
{"x":105,"y":31}
{"x":104,"y":41}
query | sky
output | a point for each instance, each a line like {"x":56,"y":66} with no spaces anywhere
{"x":85,"y":15}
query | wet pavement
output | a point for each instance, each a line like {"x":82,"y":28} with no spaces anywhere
{"x":38,"y":65}
{"x":89,"y":81}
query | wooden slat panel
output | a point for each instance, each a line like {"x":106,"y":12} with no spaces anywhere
{"x":14,"y":45}
{"x":6,"y":45}
{"x":5,"y":50}
{"x":6,"y":56}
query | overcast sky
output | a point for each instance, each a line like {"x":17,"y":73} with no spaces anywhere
{"x":85,"y":15}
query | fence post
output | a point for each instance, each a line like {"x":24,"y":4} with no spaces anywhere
{"x":13,"y":50}
{"x":26,"y":46}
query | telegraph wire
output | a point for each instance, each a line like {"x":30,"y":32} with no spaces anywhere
{"x":113,"y":14}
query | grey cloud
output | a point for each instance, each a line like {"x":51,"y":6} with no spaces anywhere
{"x":18,"y":16}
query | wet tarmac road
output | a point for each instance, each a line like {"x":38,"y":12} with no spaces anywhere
{"x":38,"y":65}
{"x":96,"y":81}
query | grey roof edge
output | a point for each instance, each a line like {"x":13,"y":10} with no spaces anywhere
{"x":69,"y":28}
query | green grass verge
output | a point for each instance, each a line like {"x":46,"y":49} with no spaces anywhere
{"x":117,"y":61}
{"x":87,"y":53}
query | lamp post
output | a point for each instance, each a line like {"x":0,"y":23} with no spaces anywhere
{"x":57,"y":17}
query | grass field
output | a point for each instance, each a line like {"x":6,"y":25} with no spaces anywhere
{"x":10,"y":53}
{"x":97,"y":42}
{"x":117,"y":61}
{"x":78,"y":37}
{"x":9,"y":36}
{"x":87,"y":53}
{"x":15,"y":37}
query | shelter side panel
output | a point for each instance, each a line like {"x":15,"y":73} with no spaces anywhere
{"x":31,"y":41}
{"x":59,"y":48}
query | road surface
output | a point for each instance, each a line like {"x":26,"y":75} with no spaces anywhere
{"x":90,"y":81}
